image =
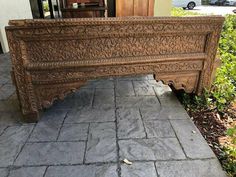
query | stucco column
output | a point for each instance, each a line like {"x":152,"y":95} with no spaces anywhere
{"x":19,"y":9}
{"x":163,"y":7}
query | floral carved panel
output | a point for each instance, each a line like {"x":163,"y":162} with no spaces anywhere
{"x":90,"y":49}
{"x":54,"y":57}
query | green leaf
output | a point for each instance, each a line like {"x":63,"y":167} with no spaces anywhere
{"x":231,"y":132}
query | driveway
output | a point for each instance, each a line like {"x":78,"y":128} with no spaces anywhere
{"x":214,"y":10}
{"x":91,"y":132}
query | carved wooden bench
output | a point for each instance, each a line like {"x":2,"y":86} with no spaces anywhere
{"x":54,"y":57}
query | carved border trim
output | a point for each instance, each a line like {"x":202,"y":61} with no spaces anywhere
{"x":117,"y":20}
{"x":195,"y":58}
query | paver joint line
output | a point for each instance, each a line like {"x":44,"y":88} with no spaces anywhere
{"x":45,"y":171}
{"x":86,"y":144}
{"x":117,"y":144}
{"x":24,"y":144}
{"x":143,"y":123}
{"x":178,"y":140}
{"x":61,"y":126}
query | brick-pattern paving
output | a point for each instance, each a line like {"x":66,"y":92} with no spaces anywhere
{"x":91,"y":132}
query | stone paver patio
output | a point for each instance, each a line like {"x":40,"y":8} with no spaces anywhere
{"x":92,"y":131}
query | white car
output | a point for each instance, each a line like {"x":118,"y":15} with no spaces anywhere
{"x":190,"y":4}
{"x":230,"y":3}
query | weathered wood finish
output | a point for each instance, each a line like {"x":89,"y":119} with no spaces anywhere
{"x":54,"y":57}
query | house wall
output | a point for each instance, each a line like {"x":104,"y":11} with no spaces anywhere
{"x":163,"y":7}
{"x":12,"y":9}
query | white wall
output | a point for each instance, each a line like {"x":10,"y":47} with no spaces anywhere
{"x":12,"y":9}
{"x":163,"y":7}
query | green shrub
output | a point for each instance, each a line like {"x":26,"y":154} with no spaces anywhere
{"x":229,"y":161}
{"x":230,"y":152}
{"x":179,"y":12}
{"x":231,"y":132}
{"x":45,"y":6}
{"x":224,"y":87}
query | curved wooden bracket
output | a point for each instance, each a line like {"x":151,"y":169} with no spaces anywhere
{"x":187,"y":82}
{"x":46,"y":95}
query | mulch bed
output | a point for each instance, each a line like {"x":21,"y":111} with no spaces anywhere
{"x":213,"y":125}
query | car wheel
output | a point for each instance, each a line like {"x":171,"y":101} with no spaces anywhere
{"x":191,"y":5}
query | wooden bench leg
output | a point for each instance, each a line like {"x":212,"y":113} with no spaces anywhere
{"x":31,"y":117}
{"x":28,"y":108}
{"x":155,"y":77}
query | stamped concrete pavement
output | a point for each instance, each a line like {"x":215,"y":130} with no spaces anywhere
{"x":91,"y":132}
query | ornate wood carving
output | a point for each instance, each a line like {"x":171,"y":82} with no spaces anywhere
{"x":53,"y":57}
